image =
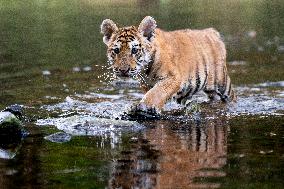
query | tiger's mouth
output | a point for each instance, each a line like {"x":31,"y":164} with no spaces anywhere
{"x":125,"y":73}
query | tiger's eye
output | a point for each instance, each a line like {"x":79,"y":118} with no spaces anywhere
{"x":116,"y":50}
{"x":134,"y":50}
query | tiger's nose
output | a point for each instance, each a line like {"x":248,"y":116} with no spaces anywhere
{"x":125,"y":70}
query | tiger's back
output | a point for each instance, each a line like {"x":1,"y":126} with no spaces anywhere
{"x":200,"y":59}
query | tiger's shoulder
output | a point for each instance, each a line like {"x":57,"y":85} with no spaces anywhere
{"x":188,"y":46}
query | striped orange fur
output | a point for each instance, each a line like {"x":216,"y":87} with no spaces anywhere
{"x":175,"y":64}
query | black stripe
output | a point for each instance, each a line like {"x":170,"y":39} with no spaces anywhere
{"x":225,"y":81}
{"x":205,"y":71}
{"x":206,"y":76}
{"x":131,"y":38}
{"x":139,"y":63}
{"x":189,"y":89}
{"x":179,"y":100}
{"x":179,"y":92}
{"x":198,"y":81}
{"x":197,"y":84}
{"x":198,"y":138}
{"x":215,"y":77}
{"x":188,"y":94}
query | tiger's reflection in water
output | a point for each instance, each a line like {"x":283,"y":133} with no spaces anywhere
{"x":168,"y":156}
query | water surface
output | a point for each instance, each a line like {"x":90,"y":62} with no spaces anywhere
{"x":52,"y":61}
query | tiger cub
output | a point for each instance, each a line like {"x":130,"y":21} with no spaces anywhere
{"x":175,"y":64}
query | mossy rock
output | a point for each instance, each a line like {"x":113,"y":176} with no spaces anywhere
{"x":7,"y":119}
{"x":11,"y":130}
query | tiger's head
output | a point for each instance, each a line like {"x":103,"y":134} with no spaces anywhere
{"x":129,"y":49}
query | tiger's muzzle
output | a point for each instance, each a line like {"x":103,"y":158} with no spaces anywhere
{"x":126,"y":67}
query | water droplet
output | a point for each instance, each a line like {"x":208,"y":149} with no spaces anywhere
{"x":251,"y":34}
{"x":76,"y":69}
{"x":87,"y":68}
{"x":237,"y":63}
{"x":46,"y":72}
{"x":260,"y":48}
{"x":272,"y":134}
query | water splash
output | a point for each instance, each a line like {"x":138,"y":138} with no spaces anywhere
{"x":76,"y":116}
{"x":107,"y":109}
{"x":90,"y":125}
{"x":259,"y":99}
{"x":271,"y":84}
{"x":254,"y":105}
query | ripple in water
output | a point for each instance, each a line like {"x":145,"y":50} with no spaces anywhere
{"x":76,"y":116}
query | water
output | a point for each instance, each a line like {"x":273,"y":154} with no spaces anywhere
{"x":52,"y":61}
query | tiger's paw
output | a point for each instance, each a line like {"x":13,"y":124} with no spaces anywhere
{"x":142,"y":112}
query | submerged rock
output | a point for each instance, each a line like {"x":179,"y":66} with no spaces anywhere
{"x":11,"y":131}
{"x":10,"y":123}
{"x":10,"y":126}
{"x":8,"y":119}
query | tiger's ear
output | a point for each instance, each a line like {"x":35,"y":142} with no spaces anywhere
{"x":107,"y":29}
{"x":147,"y":27}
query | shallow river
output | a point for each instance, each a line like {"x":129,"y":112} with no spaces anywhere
{"x":53,"y":63}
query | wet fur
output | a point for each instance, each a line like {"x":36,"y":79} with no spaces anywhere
{"x":175,"y":64}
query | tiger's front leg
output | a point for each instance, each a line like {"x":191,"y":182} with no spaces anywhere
{"x":156,"y":97}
